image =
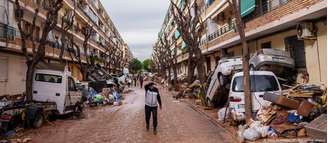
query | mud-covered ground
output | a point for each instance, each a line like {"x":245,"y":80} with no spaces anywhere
{"x":125,"y":124}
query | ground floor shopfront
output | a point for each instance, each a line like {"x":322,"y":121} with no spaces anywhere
{"x":13,"y":72}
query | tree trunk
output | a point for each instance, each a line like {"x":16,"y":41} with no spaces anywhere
{"x":245,"y":58}
{"x":29,"y":80}
{"x":191,"y":69}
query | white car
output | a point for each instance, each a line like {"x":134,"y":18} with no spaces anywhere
{"x":221,"y":78}
{"x":261,"y":82}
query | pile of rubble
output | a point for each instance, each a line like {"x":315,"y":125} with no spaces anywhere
{"x":299,"y":112}
{"x":108,"y":96}
{"x":189,"y":91}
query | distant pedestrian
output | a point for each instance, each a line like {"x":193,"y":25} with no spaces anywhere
{"x":152,"y":100}
{"x":135,"y":80}
{"x":141,"y":79}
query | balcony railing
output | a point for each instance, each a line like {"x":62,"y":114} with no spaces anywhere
{"x":7,"y":32}
{"x":220,"y":31}
{"x":263,"y":7}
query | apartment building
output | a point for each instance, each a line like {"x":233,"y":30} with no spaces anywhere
{"x":88,"y":13}
{"x":297,"y":26}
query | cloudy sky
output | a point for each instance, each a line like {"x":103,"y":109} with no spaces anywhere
{"x":138,"y":22}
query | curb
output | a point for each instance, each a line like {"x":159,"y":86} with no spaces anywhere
{"x":210,"y":118}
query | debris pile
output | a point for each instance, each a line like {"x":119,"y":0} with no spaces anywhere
{"x":299,"y":112}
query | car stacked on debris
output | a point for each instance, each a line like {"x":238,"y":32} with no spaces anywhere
{"x":277,"y":111}
{"x":277,"y":61}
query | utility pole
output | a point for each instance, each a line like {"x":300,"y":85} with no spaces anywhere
{"x":246,"y":78}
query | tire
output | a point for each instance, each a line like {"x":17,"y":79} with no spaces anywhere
{"x":38,"y":120}
{"x":78,"y":110}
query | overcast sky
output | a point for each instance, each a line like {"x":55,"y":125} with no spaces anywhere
{"x":138,"y":22}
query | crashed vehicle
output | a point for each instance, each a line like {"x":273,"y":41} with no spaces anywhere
{"x":261,"y":82}
{"x":54,"y":93}
{"x":219,"y":81}
{"x":278,"y":61}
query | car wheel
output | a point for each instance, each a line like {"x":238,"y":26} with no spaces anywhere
{"x":38,"y":121}
{"x":78,"y":110}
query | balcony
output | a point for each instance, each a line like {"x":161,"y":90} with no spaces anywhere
{"x":7,"y":33}
{"x":264,"y":7}
{"x":228,"y":27}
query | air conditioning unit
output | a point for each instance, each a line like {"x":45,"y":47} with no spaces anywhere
{"x":306,"y":30}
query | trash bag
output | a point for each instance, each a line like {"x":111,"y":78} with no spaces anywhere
{"x":222,"y":113}
{"x":98,"y":98}
{"x":241,"y":130}
{"x":294,"y":118}
{"x":251,"y":134}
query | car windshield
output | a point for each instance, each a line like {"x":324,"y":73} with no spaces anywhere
{"x":48,"y":78}
{"x":259,"y":83}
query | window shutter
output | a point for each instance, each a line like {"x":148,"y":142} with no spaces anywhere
{"x":3,"y":69}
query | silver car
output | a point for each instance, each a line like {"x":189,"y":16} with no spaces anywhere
{"x":278,"y":61}
{"x":271,"y":57}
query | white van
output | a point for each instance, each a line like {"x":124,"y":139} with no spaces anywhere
{"x":220,"y":78}
{"x":56,"y":86}
{"x":261,"y":82}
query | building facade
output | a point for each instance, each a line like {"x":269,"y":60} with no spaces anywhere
{"x":87,"y":13}
{"x":275,"y":24}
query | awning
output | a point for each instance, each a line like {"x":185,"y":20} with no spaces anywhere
{"x":183,"y":45}
{"x":246,"y":7}
{"x":177,"y":34}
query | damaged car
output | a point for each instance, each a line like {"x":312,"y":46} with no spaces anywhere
{"x":219,"y":80}
{"x":278,"y":61}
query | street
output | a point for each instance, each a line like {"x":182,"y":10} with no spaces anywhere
{"x":177,"y":123}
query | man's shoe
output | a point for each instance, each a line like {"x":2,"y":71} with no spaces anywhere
{"x":147,"y":127}
{"x":155,"y":132}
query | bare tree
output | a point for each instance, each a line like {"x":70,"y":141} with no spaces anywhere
{"x":67,"y":38}
{"x":170,"y":56}
{"x":85,"y":64}
{"x":191,"y":26}
{"x":246,"y":78}
{"x":39,"y":48}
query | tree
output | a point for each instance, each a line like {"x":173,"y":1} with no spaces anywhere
{"x":246,"y":78}
{"x":38,"y":45}
{"x":146,"y":64}
{"x":170,"y":56}
{"x":189,"y":23}
{"x":135,"y":66}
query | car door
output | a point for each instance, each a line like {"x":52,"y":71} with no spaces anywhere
{"x":73,"y":94}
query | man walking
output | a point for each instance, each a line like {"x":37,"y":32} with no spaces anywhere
{"x":141,"y":79}
{"x":152,"y":100}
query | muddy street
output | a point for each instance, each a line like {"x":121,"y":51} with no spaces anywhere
{"x":177,"y":123}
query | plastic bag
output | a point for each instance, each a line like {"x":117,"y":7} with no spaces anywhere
{"x":251,"y":134}
{"x":222,"y":113}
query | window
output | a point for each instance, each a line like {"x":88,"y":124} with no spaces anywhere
{"x":71,"y":84}
{"x":3,"y":69}
{"x":48,"y":78}
{"x":266,"y":45}
{"x":259,"y":83}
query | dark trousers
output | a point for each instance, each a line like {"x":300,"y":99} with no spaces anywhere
{"x":148,"y":111}
{"x":141,"y":84}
